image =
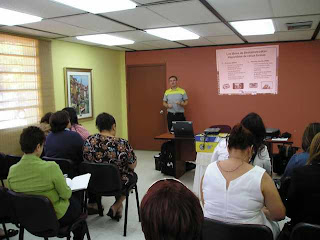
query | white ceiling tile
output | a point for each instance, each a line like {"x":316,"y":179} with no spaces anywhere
{"x":26,"y":31}
{"x":233,"y":10}
{"x":280,"y":23}
{"x":93,"y":22}
{"x":75,"y":40}
{"x":184,"y":12}
{"x":137,"y":36}
{"x":197,"y":42}
{"x":141,"y":46}
{"x":263,"y":38}
{"x":163,"y":44}
{"x":40,"y":8}
{"x":140,"y":17}
{"x":211,"y":29}
{"x":295,"y":35}
{"x":225,"y":39}
{"x":295,"y":7}
{"x":59,"y":28}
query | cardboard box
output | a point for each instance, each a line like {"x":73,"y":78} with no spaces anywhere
{"x":206,"y":143}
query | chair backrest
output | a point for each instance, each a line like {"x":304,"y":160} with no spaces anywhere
{"x":217,"y":230}
{"x":223,"y":128}
{"x":284,"y":189}
{"x":5,"y":205}
{"x":35,"y":213}
{"x":66,"y":165}
{"x":6,"y":161}
{"x":105,"y":177}
{"x":305,"y":231}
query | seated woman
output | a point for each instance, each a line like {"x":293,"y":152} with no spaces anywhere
{"x":304,"y":193}
{"x":253,"y":122}
{"x":170,"y":211}
{"x":235,"y":191}
{"x":30,"y":176}
{"x":75,"y":126}
{"x":300,"y":159}
{"x":105,"y":147}
{"x":61,"y":142}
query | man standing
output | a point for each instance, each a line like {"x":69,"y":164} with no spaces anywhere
{"x":174,"y":100}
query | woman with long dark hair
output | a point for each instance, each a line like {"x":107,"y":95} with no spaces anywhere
{"x":254,"y":123}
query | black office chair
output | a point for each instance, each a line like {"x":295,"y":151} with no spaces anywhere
{"x":217,"y":230}
{"x":66,"y":165}
{"x":284,"y":189}
{"x":105,"y":181}
{"x":36,"y":214}
{"x":223,"y":128}
{"x":5,"y":210}
{"x":6,"y":161}
{"x":305,"y":231}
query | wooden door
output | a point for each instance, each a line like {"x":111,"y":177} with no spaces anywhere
{"x":146,"y":85}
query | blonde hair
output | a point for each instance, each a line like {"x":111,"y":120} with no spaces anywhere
{"x":314,"y":150}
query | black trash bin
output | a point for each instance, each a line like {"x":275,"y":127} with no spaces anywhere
{"x":157,"y":162}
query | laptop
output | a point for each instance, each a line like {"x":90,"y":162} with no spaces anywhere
{"x":182,"y":129}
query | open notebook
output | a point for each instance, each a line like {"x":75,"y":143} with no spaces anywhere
{"x":79,"y":182}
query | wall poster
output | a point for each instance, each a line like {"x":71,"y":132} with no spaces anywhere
{"x":252,"y":70}
{"x":79,"y":92}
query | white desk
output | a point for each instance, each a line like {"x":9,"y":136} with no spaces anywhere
{"x":202,"y":162}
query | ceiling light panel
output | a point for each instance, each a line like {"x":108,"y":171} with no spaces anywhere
{"x":11,"y":18}
{"x":99,"y":6}
{"x":105,"y":39}
{"x":173,"y":33}
{"x":254,"y":27}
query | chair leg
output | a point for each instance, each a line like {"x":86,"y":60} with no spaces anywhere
{"x":5,"y":231}
{"x":99,"y":198}
{"x":21,"y":232}
{"x":137,"y":199}
{"x":87,"y":231}
{"x":126,"y":215}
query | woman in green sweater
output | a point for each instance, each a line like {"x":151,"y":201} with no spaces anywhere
{"x":31,"y":175}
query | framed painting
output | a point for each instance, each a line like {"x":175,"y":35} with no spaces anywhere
{"x":79,"y":91}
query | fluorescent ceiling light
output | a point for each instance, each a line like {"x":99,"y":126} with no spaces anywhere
{"x":105,"y":39}
{"x":254,"y":27}
{"x":11,"y":18}
{"x":173,"y":33}
{"x":99,"y":6}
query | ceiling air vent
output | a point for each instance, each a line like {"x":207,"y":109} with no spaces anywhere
{"x":299,"y":25}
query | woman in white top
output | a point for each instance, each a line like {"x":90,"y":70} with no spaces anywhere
{"x":253,"y":122}
{"x":234,"y":191}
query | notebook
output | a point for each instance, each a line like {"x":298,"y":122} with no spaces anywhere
{"x":182,"y":129}
{"x":79,"y":183}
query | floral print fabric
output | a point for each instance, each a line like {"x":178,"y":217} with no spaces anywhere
{"x":104,"y":149}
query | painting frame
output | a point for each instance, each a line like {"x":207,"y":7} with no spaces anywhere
{"x":78,"y":91}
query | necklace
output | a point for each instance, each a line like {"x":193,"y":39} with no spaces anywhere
{"x":229,"y":170}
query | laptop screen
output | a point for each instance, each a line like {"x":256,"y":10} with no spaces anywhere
{"x":182,"y":129}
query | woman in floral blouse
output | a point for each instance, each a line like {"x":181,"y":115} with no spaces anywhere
{"x":104,"y":147}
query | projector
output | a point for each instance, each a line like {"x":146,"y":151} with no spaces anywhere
{"x":211,"y":131}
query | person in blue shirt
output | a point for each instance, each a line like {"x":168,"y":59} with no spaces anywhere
{"x":300,"y":159}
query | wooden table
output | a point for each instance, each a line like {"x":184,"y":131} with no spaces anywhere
{"x":184,"y":151}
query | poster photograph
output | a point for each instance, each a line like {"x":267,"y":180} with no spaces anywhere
{"x":79,"y":91}
{"x":252,"y":70}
